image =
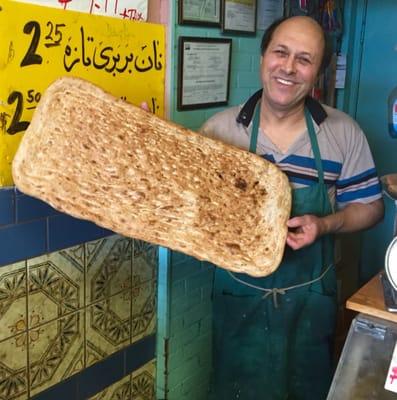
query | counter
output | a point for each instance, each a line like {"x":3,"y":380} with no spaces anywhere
{"x":369,"y":300}
{"x":369,"y":358}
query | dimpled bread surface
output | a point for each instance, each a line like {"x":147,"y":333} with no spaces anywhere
{"x":98,"y":158}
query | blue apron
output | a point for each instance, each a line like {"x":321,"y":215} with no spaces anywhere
{"x":269,"y":351}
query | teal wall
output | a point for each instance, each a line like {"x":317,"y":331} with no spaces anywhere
{"x":368,"y":42}
{"x":244,"y":71}
{"x":185,"y":284}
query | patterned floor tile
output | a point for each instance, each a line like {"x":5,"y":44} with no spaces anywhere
{"x":108,"y":264}
{"x":55,"y":351}
{"x":143,"y":382}
{"x":12,"y":300}
{"x":143,"y":310}
{"x":108,"y":326}
{"x":144,"y":262}
{"x":13,"y":368}
{"x":121,"y":390}
{"x":56,"y":285}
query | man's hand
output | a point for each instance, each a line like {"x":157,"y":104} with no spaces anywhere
{"x":145,"y":106}
{"x":354,"y":217}
{"x":305,"y":230}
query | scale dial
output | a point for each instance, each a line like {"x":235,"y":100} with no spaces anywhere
{"x":391,"y":263}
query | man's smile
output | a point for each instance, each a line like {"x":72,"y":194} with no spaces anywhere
{"x":285,"y":82}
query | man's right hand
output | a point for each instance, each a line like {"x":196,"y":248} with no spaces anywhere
{"x":145,"y":106}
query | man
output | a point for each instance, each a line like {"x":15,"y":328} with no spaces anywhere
{"x":282,"y":349}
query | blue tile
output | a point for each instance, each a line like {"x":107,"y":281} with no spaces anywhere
{"x":107,"y":232}
{"x":18,"y":192}
{"x":66,"y":390}
{"x":28,"y":208}
{"x":7,"y":206}
{"x":101,"y":375}
{"x":66,"y":231}
{"x":22,"y":241}
{"x":140,"y":353}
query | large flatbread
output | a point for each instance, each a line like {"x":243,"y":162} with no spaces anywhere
{"x":96,"y":157}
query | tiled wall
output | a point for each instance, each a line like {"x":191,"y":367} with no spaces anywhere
{"x":137,"y":386}
{"x":30,"y":227}
{"x":64,"y":313}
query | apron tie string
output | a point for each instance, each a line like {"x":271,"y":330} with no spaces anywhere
{"x":276,"y":291}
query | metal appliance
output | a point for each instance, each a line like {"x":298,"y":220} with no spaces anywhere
{"x":389,"y":279}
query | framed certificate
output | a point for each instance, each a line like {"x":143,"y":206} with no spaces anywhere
{"x":199,"y":12}
{"x":204,"y":72}
{"x":239,"y":16}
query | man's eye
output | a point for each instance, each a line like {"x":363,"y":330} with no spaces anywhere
{"x":281,"y":52}
{"x":304,"y":61}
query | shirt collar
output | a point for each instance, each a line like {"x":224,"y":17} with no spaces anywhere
{"x":247,"y":111}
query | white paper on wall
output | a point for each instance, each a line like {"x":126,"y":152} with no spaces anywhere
{"x":340,"y":71}
{"x":125,"y":9}
{"x":268,"y":11}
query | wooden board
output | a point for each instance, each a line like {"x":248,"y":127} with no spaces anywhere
{"x":369,"y":300}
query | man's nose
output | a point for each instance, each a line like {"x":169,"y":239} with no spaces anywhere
{"x":289,"y":64}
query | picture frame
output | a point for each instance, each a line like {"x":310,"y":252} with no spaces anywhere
{"x":200,"y":12}
{"x":203,"y":72}
{"x":239,"y":17}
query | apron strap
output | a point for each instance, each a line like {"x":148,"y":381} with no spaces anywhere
{"x":314,"y":143}
{"x":317,"y":158}
{"x":255,"y":128}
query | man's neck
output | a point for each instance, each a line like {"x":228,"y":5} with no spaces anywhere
{"x":271,"y":116}
{"x":282,"y":127}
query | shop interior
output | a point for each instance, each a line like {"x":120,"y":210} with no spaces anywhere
{"x":87,"y":313}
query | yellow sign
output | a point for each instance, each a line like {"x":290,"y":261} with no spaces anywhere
{"x":39,"y":44}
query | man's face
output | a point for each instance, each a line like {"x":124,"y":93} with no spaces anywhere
{"x":291,"y":62}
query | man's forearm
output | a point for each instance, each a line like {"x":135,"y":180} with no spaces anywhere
{"x":354,"y":217}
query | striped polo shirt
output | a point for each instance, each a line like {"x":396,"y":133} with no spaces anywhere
{"x":347,"y":162}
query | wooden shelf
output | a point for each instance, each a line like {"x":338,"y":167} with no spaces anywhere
{"x":369,"y":300}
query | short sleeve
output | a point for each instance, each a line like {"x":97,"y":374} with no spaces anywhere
{"x":224,"y":127}
{"x":358,"y":180}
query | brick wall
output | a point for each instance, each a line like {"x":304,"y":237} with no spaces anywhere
{"x":190,"y":328}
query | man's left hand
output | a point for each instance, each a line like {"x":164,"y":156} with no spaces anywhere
{"x":305,"y":230}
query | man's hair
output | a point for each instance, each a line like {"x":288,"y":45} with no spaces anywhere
{"x":268,"y":34}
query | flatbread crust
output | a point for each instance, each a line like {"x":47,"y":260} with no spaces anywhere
{"x":98,"y":158}
{"x":390,"y":185}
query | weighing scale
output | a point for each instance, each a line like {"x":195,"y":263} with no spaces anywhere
{"x":389,"y":279}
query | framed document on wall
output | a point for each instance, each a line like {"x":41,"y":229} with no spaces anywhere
{"x":203,"y":72}
{"x":239,"y":16}
{"x":199,"y":12}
